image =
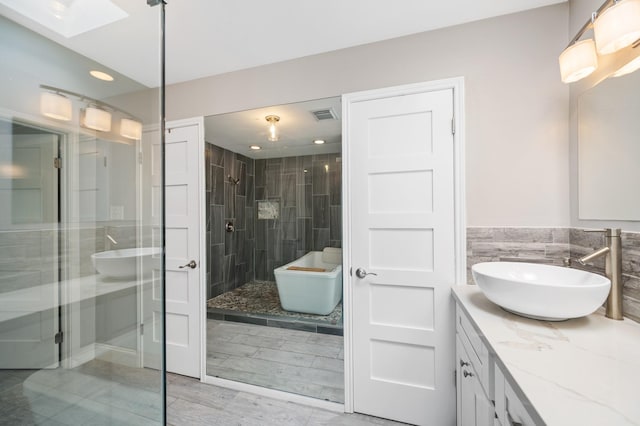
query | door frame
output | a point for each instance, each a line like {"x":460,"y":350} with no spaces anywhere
{"x":458,"y":125}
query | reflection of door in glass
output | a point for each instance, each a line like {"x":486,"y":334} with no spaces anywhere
{"x":28,"y":246}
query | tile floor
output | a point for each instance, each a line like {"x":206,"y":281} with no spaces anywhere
{"x":101,"y":393}
{"x":294,"y":361}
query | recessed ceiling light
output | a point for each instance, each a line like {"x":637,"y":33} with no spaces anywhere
{"x":318,"y":141}
{"x":255,"y":147}
{"x":101,"y":75}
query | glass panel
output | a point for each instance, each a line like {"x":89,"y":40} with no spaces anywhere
{"x":81,"y":324}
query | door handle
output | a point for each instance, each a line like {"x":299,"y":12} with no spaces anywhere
{"x":191,"y":265}
{"x":361,"y":273}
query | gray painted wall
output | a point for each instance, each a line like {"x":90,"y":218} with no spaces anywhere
{"x":516,"y":106}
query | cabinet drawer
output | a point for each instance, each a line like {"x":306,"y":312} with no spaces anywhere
{"x":477,"y":351}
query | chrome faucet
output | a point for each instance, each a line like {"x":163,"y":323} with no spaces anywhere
{"x":612,"y":268}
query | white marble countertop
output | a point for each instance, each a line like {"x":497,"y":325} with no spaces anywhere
{"x":584,"y":371}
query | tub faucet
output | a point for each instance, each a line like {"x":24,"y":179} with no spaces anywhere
{"x":113,"y":241}
{"x":612,"y":268}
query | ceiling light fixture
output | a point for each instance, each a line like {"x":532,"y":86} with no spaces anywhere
{"x":273,"y":130}
{"x":318,"y":141}
{"x":101,"y":75}
{"x":55,"y":105}
{"x":255,"y":147}
{"x":616,"y":25}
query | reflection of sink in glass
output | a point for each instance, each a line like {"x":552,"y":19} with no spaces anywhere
{"x":124,"y":263}
{"x":538,"y":291}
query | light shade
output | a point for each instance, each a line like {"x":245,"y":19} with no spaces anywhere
{"x":55,"y":106}
{"x":617,"y":27}
{"x":578,"y":61}
{"x":97,"y":119}
{"x":273,"y":130}
{"x":627,"y":68}
{"x":131,"y":129}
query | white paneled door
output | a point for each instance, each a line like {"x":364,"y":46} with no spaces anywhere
{"x":402,"y":249}
{"x":183,"y":257}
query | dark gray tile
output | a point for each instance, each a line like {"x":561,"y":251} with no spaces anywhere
{"x":261,"y":193}
{"x":250,"y":222}
{"x":274,"y":183}
{"x":229,"y":200}
{"x":303,"y":200}
{"x":230,"y":164}
{"x":320,"y":178}
{"x":217,"y":188}
{"x":336,"y":223}
{"x":242,"y":175}
{"x":217,"y":224}
{"x":251,"y":192}
{"x":289,"y":190}
{"x":290,"y":165}
{"x":305,"y":235}
{"x":260,"y":172}
{"x":335,"y":331}
{"x":239,"y":212}
{"x":292,"y":325}
{"x":261,"y":265}
{"x":321,"y":211}
{"x":289,"y":252}
{"x":217,"y":155}
{"x":320,"y":239}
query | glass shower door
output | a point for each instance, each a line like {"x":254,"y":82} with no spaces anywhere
{"x":81,"y":227}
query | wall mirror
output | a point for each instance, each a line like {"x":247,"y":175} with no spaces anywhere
{"x":609,"y":150}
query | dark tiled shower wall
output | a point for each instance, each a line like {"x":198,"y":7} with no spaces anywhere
{"x":551,"y":245}
{"x":308,"y":190}
{"x":230,"y":255}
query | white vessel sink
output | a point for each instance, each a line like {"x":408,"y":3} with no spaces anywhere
{"x":123,"y":263}
{"x":538,"y":291}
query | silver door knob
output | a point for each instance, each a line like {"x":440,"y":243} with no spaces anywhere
{"x":191,"y":265}
{"x":361,"y":273}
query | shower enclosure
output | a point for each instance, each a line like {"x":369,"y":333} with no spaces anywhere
{"x":81,"y":324}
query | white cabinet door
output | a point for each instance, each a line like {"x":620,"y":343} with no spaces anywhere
{"x":474,"y":407}
{"x":401,"y":186}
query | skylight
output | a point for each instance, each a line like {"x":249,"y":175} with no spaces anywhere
{"x":68,"y":17}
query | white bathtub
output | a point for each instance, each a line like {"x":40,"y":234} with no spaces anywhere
{"x":311,"y":292}
{"x":123,"y":263}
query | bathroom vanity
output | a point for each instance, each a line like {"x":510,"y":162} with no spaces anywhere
{"x":512,"y":370}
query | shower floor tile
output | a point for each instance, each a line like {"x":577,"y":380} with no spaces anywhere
{"x":257,"y":302}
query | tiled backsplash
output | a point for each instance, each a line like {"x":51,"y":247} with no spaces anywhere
{"x":552,"y":245}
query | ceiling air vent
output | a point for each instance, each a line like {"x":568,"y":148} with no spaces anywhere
{"x":325,"y":114}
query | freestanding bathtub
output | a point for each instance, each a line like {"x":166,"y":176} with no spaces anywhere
{"x":311,"y":291}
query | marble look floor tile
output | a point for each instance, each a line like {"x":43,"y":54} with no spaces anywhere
{"x":332,"y":364}
{"x":285,"y":357}
{"x":310,"y":348}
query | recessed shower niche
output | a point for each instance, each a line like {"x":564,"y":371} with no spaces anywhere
{"x":284,"y":199}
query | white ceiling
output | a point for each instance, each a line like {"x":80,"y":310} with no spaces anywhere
{"x":209,"y":37}
{"x":298,"y":129}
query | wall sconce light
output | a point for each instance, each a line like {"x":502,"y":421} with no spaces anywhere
{"x":616,"y":25}
{"x":97,"y":119}
{"x":54,"y":105}
{"x":273,"y":130}
{"x":130,"y":129}
{"x":628,"y":68}
{"x":578,"y":61}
